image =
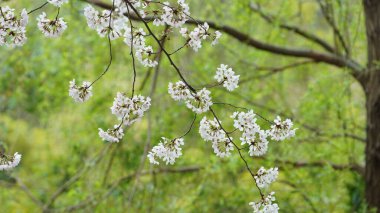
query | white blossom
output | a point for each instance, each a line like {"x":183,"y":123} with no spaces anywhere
{"x":82,"y":93}
{"x":257,"y":142}
{"x":199,"y":102}
{"x":130,"y":110}
{"x":245,"y":120}
{"x":265,"y":177}
{"x":179,"y":91}
{"x":210,"y":130}
{"x":51,"y":28}
{"x":251,"y":133}
{"x":103,"y":25}
{"x":196,"y":36}
{"x":138,"y":38}
{"x":57,"y":3}
{"x":112,"y":135}
{"x":9,"y":162}
{"x":222,"y":148}
{"x":167,"y":151}
{"x":227,"y":76}
{"x":92,"y":17}
{"x":266,"y":205}
{"x":216,"y":38}
{"x":174,"y":16}
{"x":12,"y":28}
{"x":281,"y":130}
{"x":143,"y":54}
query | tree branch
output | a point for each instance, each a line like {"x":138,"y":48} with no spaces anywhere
{"x":309,"y":36}
{"x":327,"y":58}
{"x":299,"y":164}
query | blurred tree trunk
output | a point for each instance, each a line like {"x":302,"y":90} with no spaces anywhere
{"x":372,"y":91}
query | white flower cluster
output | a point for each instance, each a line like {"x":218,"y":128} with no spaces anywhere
{"x":138,"y":37}
{"x":265,"y":177}
{"x":57,"y":3}
{"x":282,"y":130}
{"x":199,"y":33}
{"x":266,"y":205}
{"x":223,"y":148}
{"x":51,"y":28}
{"x":210,"y":130}
{"x":118,"y":27}
{"x":167,"y":150}
{"x":179,"y":91}
{"x":9,"y":162}
{"x":82,"y":93}
{"x":227,"y":76}
{"x":198,"y":102}
{"x":112,"y":135}
{"x":143,"y":54}
{"x":174,"y":16}
{"x":103,"y":25}
{"x":251,"y":132}
{"x":12,"y":28}
{"x":130,"y":110}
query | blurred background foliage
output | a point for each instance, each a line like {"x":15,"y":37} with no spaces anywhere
{"x":57,"y":137}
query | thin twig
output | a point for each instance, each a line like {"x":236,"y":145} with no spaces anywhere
{"x":40,"y":7}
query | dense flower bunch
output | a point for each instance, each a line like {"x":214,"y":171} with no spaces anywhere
{"x":129,"y":110}
{"x":210,"y":131}
{"x":265,"y":177}
{"x":265,"y":205}
{"x":9,"y":162}
{"x":281,"y":130}
{"x":12,"y":28}
{"x":116,"y":25}
{"x":51,"y":28}
{"x":227,"y":76}
{"x":179,"y":91}
{"x":80,"y":93}
{"x":251,"y":132}
{"x":199,"y":102}
{"x":174,"y":16}
{"x":199,"y":33}
{"x":113,"y":135}
{"x":167,"y":151}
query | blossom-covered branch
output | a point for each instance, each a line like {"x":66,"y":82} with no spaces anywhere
{"x":116,"y":23}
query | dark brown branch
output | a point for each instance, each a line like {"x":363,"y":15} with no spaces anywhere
{"x":309,"y":36}
{"x":329,"y":17}
{"x":274,"y":70}
{"x":331,"y":59}
{"x":299,"y":164}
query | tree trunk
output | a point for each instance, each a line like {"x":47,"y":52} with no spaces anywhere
{"x":372,"y":91}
